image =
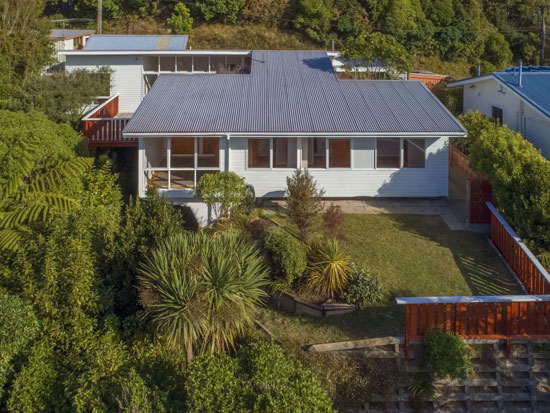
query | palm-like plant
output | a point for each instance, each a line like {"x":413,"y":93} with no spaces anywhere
{"x":200,"y":290}
{"x":329,"y":270}
{"x":27,"y":198}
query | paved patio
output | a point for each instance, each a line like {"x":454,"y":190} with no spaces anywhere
{"x":409,"y":206}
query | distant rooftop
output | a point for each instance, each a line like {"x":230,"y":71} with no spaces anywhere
{"x":120,"y":42}
{"x":67,"y":34}
{"x":535,"y":84}
{"x":290,"y":91}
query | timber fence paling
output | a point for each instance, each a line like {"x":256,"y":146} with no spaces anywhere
{"x":523,"y":262}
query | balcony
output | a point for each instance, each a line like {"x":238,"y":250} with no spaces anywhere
{"x":103,"y":126}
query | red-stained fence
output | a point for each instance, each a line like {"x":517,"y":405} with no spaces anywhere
{"x":489,"y":317}
{"x":103,"y":128}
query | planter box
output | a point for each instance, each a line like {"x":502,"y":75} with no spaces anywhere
{"x":295,"y":305}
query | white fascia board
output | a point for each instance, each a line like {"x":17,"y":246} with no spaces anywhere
{"x":471,"y":80}
{"x":300,"y":134}
{"x":83,"y":52}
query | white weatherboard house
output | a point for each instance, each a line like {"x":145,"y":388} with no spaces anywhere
{"x":519,"y":99}
{"x":288,"y":111}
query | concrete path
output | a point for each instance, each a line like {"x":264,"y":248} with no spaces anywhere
{"x":440,"y":206}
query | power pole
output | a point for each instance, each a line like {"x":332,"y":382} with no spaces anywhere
{"x":542,"y":34}
{"x":99,"y":16}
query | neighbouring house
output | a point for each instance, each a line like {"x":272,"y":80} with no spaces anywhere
{"x":359,"y":138}
{"x":430,"y":79}
{"x":517,"y":97}
{"x":69,"y":39}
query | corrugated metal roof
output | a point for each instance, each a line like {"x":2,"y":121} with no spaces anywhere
{"x":535,"y":87}
{"x":66,"y":34}
{"x":119,"y":42}
{"x":289,"y":91}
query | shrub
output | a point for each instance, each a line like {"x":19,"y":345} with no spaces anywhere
{"x":287,"y":255}
{"x":258,"y":227}
{"x":304,"y":201}
{"x":362,"y":289}
{"x":181,"y":21}
{"x":447,"y":354}
{"x":329,"y":268}
{"x":224,"y":192}
{"x":334,"y":222}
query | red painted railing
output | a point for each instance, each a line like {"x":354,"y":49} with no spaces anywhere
{"x":103,"y":128}
{"x":529,"y":270}
{"x":489,"y":317}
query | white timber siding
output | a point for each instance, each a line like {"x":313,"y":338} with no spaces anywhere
{"x":518,"y":114}
{"x":431,"y":181}
{"x":126,"y":80}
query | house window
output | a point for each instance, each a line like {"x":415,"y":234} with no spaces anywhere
{"x":314,"y":152}
{"x":339,"y":153}
{"x":258,"y":153}
{"x":388,"y":153}
{"x":150,"y":64}
{"x":200,"y":63}
{"x":284,"y":153}
{"x":234,"y":64}
{"x":497,"y":114}
{"x":217,"y":64}
{"x":190,"y":158}
{"x":363,"y":153}
{"x":185,"y":63}
{"x":414,"y":153}
{"x":167,"y":64}
{"x":149,"y":80}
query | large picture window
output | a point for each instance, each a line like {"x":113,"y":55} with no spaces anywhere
{"x":190,"y":158}
{"x":414,"y":153}
{"x":314,"y":152}
{"x":339,"y":153}
{"x":258,"y":153}
{"x":388,"y":153}
{"x":284,"y":153}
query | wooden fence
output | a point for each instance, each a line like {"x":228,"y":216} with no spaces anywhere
{"x":489,"y":317}
{"x":529,"y":270}
{"x":103,"y":128}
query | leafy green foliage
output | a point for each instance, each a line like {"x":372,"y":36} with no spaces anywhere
{"x":201,"y":290}
{"x":18,"y":326}
{"x":313,"y":17}
{"x":519,"y":176}
{"x":375,"y":51}
{"x":304,"y":201}
{"x":263,"y":378}
{"x":447,"y":354}
{"x":225,"y":11}
{"x":329,"y":268}
{"x":362,"y":289}
{"x":287,"y":255}
{"x":224,"y":192}
{"x":181,"y":21}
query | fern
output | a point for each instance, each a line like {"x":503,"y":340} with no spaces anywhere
{"x":26,"y":199}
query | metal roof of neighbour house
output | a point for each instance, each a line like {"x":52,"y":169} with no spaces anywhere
{"x":67,"y":34}
{"x":121,"y":42}
{"x":289,"y":92}
{"x":535,"y":84}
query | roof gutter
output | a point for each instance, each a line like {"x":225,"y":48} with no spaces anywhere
{"x":84,"y":52}
{"x":298,"y":134}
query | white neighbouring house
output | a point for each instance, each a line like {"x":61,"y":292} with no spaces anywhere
{"x":69,"y":39}
{"x":262,"y":114}
{"x":518,"y":99}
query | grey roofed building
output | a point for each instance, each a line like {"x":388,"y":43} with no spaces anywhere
{"x":139,"y":43}
{"x":285,"y":92}
{"x":67,"y":34}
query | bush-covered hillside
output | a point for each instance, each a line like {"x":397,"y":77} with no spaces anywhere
{"x":493,"y":32}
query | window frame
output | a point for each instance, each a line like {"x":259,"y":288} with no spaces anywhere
{"x":500,"y":118}
{"x":169,"y":167}
{"x":424,"y":158}
{"x":271,"y":155}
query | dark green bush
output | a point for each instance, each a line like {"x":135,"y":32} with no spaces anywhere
{"x":362,"y":289}
{"x":287,"y":255}
{"x":447,"y":354}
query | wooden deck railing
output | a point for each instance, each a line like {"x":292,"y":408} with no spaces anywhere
{"x":103,"y":128}
{"x":487,"y":317}
{"x":529,"y":270}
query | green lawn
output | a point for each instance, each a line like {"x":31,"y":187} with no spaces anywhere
{"x":413,"y":255}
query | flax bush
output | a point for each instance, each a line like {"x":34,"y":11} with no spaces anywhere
{"x":329,"y":268}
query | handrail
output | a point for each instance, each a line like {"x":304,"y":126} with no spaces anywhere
{"x":98,"y":108}
{"x":472,"y":299}
{"x":519,"y":242}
